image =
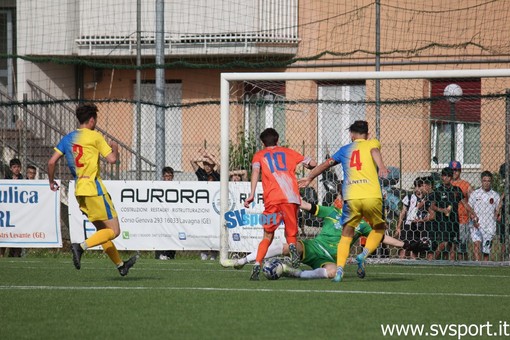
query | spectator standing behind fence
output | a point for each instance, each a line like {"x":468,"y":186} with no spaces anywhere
{"x":15,"y":169}
{"x":464,"y":223}
{"x":485,"y":203}
{"x":206,"y":172}
{"x":14,"y":173}
{"x":31,"y":172}
{"x":425,"y":215}
{"x":408,"y":229}
{"x":238,"y":175}
{"x":501,"y":227}
{"x":445,"y":204}
{"x":167,"y":174}
{"x":501,"y":215}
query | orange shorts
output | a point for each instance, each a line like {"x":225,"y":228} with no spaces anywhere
{"x":278,"y":213}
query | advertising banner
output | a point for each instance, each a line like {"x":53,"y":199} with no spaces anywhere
{"x":172,"y":215}
{"x":29,"y":214}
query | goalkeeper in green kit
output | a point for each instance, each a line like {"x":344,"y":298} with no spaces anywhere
{"x":320,"y":252}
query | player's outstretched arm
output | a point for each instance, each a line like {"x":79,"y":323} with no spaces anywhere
{"x":414,"y":246}
{"x":305,"y":205}
{"x":311,"y":164}
{"x":319,"y":169}
{"x":391,"y":241}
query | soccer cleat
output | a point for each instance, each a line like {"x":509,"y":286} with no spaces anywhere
{"x":255,"y":273}
{"x":287,"y":260}
{"x":361,"y":266}
{"x":77,"y":251}
{"x":339,"y":275}
{"x":228,"y":263}
{"x":124,"y":269}
{"x":294,"y":256}
{"x":290,"y":271}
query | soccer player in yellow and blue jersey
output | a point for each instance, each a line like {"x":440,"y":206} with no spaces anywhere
{"x":362,"y":165}
{"x":82,"y":149}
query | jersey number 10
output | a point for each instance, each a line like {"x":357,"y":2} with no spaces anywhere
{"x":276,"y":161}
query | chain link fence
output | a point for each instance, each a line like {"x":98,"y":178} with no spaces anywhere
{"x":420,"y":135}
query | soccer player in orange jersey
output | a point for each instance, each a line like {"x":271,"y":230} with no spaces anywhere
{"x":362,"y":165}
{"x":277,"y":165}
{"x":82,"y":149}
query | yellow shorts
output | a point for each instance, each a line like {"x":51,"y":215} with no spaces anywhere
{"x":371,"y":209}
{"x":97,"y":208}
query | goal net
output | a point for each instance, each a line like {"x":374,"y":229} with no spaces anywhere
{"x":423,"y":122}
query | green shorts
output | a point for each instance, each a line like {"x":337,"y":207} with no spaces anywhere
{"x":316,"y":254}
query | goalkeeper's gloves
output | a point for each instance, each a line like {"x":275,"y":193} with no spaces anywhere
{"x":417,"y":246}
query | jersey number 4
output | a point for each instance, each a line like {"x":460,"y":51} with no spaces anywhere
{"x":355,"y":160}
{"x":78,"y":152}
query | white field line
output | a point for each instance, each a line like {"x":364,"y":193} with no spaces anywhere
{"x":182,"y":267}
{"x":322,"y":291}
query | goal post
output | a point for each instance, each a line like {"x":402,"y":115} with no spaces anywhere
{"x":420,"y":130}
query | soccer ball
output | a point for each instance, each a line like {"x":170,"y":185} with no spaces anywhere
{"x":273,"y":269}
{"x":453,"y":92}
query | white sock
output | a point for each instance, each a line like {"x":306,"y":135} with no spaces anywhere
{"x":250,"y":257}
{"x":319,"y":273}
{"x":275,"y":249}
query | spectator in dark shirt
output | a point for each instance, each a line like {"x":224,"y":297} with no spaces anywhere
{"x":445,"y":203}
{"x":14,"y":173}
{"x":206,"y":172}
{"x":167,"y":174}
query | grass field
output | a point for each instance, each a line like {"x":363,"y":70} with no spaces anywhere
{"x":46,"y":298}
